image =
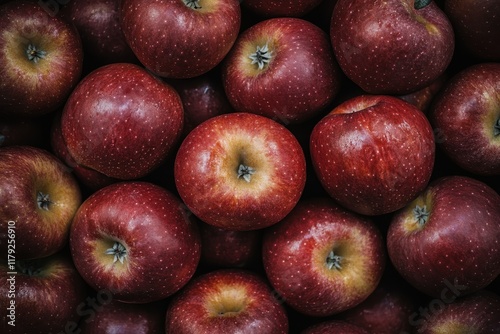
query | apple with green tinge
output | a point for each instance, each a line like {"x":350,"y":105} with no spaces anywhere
{"x":240,"y":171}
{"x":39,"y":196}
{"x":445,"y":242}
{"x":281,"y":8}
{"x":467,"y":115}
{"x":180,"y":38}
{"x":391,"y":47}
{"x":477,"y":313}
{"x":373,"y":153}
{"x":122,"y":121}
{"x":281,"y":68}
{"x":226,"y":301}
{"x":323,"y":259}
{"x":40,"y":296}
{"x":135,"y":240}
{"x":41,"y":59}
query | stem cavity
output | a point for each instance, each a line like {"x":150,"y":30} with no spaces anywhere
{"x":261,"y":57}
{"x":245,"y":172}
{"x":419,"y":4}
{"x":194,"y":4}
{"x":34,"y":54}
{"x":43,"y":201}
{"x":118,"y":251}
{"x":496,"y":128}
{"x":421,"y":214}
{"x":333,"y":261}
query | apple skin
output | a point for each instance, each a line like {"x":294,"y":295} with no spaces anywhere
{"x":373,"y":153}
{"x":467,"y":114}
{"x":41,"y":227}
{"x":208,"y":181}
{"x":476,"y":313}
{"x":389,"y":47}
{"x":423,"y":98}
{"x":476,"y":26}
{"x":295,"y":255}
{"x":281,"y":8}
{"x":301,"y":56}
{"x":46,"y":298}
{"x":24,"y":23}
{"x":99,"y":26}
{"x":162,"y":245}
{"x":185,"y":42}
{"x":122,"y":121}
{"x":125,"y":318}
{"x":463,"y":222}
{"x":334,"y":326}
{"x":226,"y":301}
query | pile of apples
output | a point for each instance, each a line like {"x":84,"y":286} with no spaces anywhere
{"x":264,"y":166}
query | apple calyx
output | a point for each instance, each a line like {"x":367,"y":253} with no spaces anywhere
{"x":29,"y":268}
{"x":34,"y":54}
{"x":421,"y":214}
{"x":118,"y":251}
{"x":43,"y":201}
{"x":419,"y":4}
{"x":334,"y":261}
{"x":245,"y":172}
{"x":261,"y":56}
{"x":194,"y":4}
{"x":496,"y":128}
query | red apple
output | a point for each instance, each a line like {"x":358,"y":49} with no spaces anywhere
{"x":391,"y":47}
{"x":476,"y":26}
{"x":334,"y":326}
{"x":423,"y":98}
{"x":477,"y":313}
{"x":373,"y":153}
{"x":240,"y":171}
{"x":467,"y":115}
{"x":40,"y":59}
{"x":121,"y":121}
{"x":447,"y":238}
{"x":39,"y":197}
{"x":124,"y":318}
{"x":282,"y":68}
{"x":98,"y":22}
{"x":40,"y":296}
{"x":180,"y":38}
{"x":281,"y":8}
{"x":323,"y":259}
{"x":135,"y":240}
{"x":226,"y":301}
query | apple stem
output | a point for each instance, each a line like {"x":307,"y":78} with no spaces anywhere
{"x":333,"y":261}
{"x":118,"y":251}
{"x":194,"y":4}
{"x":43,"y":201}
{"x":421,"y":214}
{"x":496,"y":131}
{"x":245,"y":172}
{"x":34,"y":54}
{"x":261,"y":57}
{"x":419,"y":4}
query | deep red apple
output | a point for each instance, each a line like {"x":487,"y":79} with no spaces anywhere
{"x":240,"y":171}
{"x":98,"y":22}
{"x":121,"y":121}
{"x":281,"y":8}
{"x":180,"y":38}
{"x":226,"y":301}
{"x":391,"y":47}
{"x":423,"y":98}
{"x":38,"y":199}
{"x":282,"y":68}
{"x":125,"y":318}
{"x":467,"y":115}
{"x":40,"y":296}
{"x":334,"y":326}
{"x":476,"y":26}
{"x":477,"y":313}
{"x":373,"y":153}
{"x":323,"y":259}
{"x":135,"y":240}
{"x":40,"y":59}
{"x":446,"y":241}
